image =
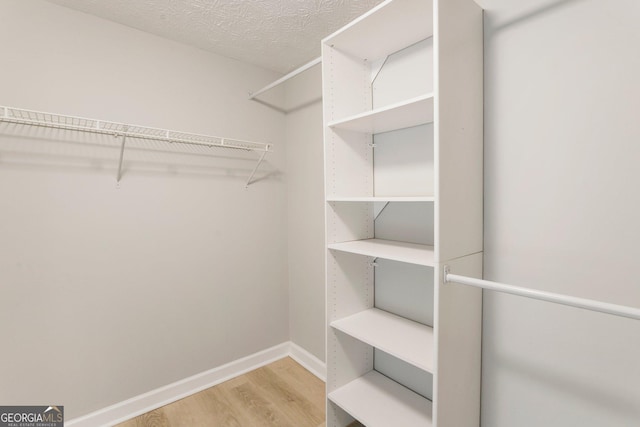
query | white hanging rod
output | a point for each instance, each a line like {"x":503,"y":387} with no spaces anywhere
{"x":283,"y":79}
{"x":588,"y":304}
{"x":59,"y":121}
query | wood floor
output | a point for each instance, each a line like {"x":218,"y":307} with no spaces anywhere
{"x":281,"y":394}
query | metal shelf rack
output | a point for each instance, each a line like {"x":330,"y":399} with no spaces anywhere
{"x":81,"y":124}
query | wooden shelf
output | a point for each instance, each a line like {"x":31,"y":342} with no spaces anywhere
{"x":412,"y":112}
{"x":405,"y":339}
{"x":385,"y":29}
{"x":382,"y":199}
{"x":411,"y":253}
{"x":377,"y":401}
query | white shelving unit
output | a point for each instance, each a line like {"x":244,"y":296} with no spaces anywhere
{"x":402,"y":99}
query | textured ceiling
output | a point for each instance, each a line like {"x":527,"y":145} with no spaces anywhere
{"x":276,"y":34}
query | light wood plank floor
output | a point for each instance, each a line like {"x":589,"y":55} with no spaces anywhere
{"x":281,"y":394}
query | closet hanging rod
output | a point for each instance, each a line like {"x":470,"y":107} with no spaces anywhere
{"x":286,"y":77}
{"x":588,"y":304}
{"x":59,"y":121}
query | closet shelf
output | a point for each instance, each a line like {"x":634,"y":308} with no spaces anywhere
{"x":377,"y":401}
{"x":405,"y":339}
{"x":59,"y":121}
{"x":81,"y":124}
{"x":368,"y":37}
{"x":411,"y":253}
{"x":412,"y":112}
{"x":385,"y":199}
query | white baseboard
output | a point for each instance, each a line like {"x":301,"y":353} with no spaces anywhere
{"x":311,"y":363}
{"x":154,"y":399}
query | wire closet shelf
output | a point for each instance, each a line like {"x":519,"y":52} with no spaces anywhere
{"x":82,"y":124}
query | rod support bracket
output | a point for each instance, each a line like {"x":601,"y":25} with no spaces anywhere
{"x":445,"y":273}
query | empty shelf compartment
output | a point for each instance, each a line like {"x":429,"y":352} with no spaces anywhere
{"x":377,"y":401}
{"x":405,"y":339}
{"x":385,"y":29}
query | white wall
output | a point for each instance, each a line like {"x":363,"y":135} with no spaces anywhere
{"x":561,"y":211}
{"x":107,"y":293}
{"x":305,"y":201}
